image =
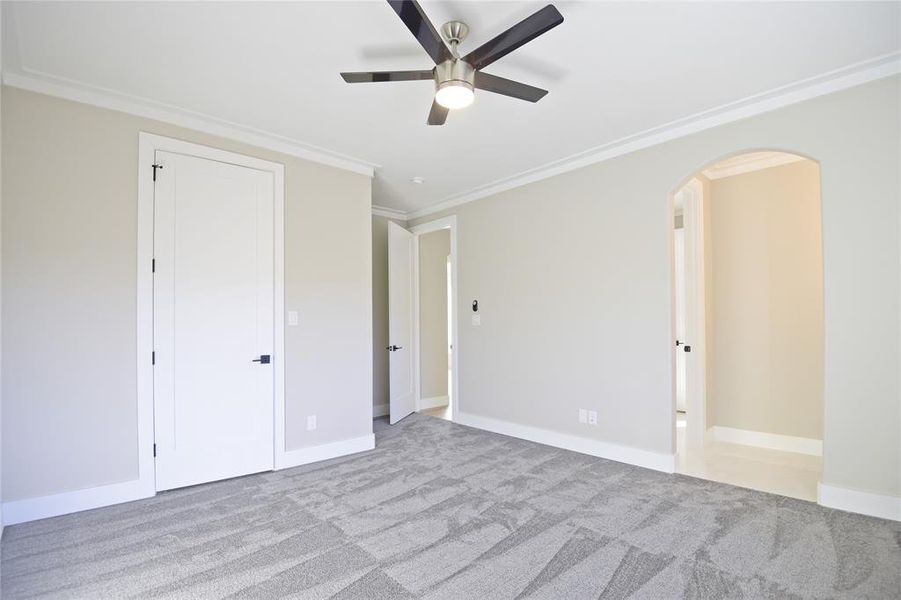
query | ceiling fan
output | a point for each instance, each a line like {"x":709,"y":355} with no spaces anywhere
{"x":455,"y":76}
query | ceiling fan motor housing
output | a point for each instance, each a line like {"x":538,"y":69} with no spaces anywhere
{"x":454,"y":72}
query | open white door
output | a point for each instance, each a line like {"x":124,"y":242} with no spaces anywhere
{"x":401,"y":396}
{"x":679,"y":263}
{"x":693,"y":350}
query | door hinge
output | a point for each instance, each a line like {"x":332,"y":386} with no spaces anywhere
{"x":153,"y":358}
{"x":154,"y":451}
{"x":155,"y":167}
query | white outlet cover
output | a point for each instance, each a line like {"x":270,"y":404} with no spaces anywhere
{"x":292,"y":317}
{"x":311,"y":422}
{"x":592,"y":417}
{"x":476,"y":320}
{"x":583,"y":415}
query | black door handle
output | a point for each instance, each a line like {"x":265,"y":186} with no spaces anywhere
{"x":263,"y":359}
{"x":394,"y":348}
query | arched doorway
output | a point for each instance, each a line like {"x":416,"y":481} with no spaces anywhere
{"x":748,"y":323}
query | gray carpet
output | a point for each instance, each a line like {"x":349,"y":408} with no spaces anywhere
{"x":443,"y":511}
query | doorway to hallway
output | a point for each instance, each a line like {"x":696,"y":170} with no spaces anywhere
{"x":748,"y":324}
{"x":422,"y":320}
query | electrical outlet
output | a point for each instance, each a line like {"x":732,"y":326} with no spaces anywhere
{"x":583,"y":415}
{"x":311,"y":422}
{"x":592,"y":417}
{"x":292,"y":318}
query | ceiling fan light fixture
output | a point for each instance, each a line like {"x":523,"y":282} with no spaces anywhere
{"x":454,"y":94}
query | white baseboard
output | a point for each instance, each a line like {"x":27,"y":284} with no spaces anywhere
{"x":433,"y":402}
{"x":381,"y":410}
{"x":865,"y":503}
{"x":304,"y":456}
{"x":773,"y":441}
{"x":32,"y":509}
{"x":625,"y":454}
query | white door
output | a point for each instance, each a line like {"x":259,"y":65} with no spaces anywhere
{"x":402,"y":400}
{"x":679,"y":248}
{"x":213,"y":317}
{"x":693,"y":352}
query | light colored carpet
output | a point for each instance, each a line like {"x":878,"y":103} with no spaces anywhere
{"x":438,"y":510}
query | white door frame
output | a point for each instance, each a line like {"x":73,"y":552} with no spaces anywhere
{"x":695,"y":311}
{"x":148,"y":144}
{"x":449,"y":223}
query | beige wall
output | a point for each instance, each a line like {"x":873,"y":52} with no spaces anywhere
{"x":69,"y":280}
{"x":572,"y":277}
{"x":767,"y":292}
{"x":434,"y":249}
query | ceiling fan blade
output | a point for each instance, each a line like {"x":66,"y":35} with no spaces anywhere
{"x":377,"y":76}
{"x":422,"y":29}
{"x":507,"y":87}
{"x":438,"y":114}
{"x":522,"y":33}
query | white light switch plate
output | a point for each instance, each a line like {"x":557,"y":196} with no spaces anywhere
{"x":292,"y":317}
{"x":476,"y":320}
{"x":583,"y":415}
{"x":592,"y":417}
{"x":311,"y":422}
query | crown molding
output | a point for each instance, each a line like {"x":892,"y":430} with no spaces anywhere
{"x":806,"y":89}
{"x":51,"y":85}
{"x":748,"y":163}
{"x":850,"y":76}
{"x":389,"y":213}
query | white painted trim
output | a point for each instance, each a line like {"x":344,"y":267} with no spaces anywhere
{"x":144,"y":307}
{"x":304,"y":456}
{"x":850,"y":76}
{"x":608,"y":450}
{"x":450,"y":223}
{"x":148,"y":144}
{"x":381,"y":410}
{"x":750,"y":162}
{"x":433,"y":402}
{"x":773,"y":441}
{"x":389,"y":213}
{"x":31,"y":509}
{"x":278,"y":340}
{"x":864,"y":503}
{"x":52,"y":85}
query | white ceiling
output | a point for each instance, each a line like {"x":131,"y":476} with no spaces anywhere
{"x":613,"y":70}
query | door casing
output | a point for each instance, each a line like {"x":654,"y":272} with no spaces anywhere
{"x":695,"y":310}
{"x":148,"y":145}
{"x":449,"y":223}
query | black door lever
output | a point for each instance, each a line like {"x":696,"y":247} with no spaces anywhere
{"x":263,"y":359}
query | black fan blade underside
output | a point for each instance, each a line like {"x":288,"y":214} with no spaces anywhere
{"x":378,"y":76}
{"x":422,"y":29}
{"x":522,"y":33}
{"x":508,"y":87}
{"x":438,"y":114}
